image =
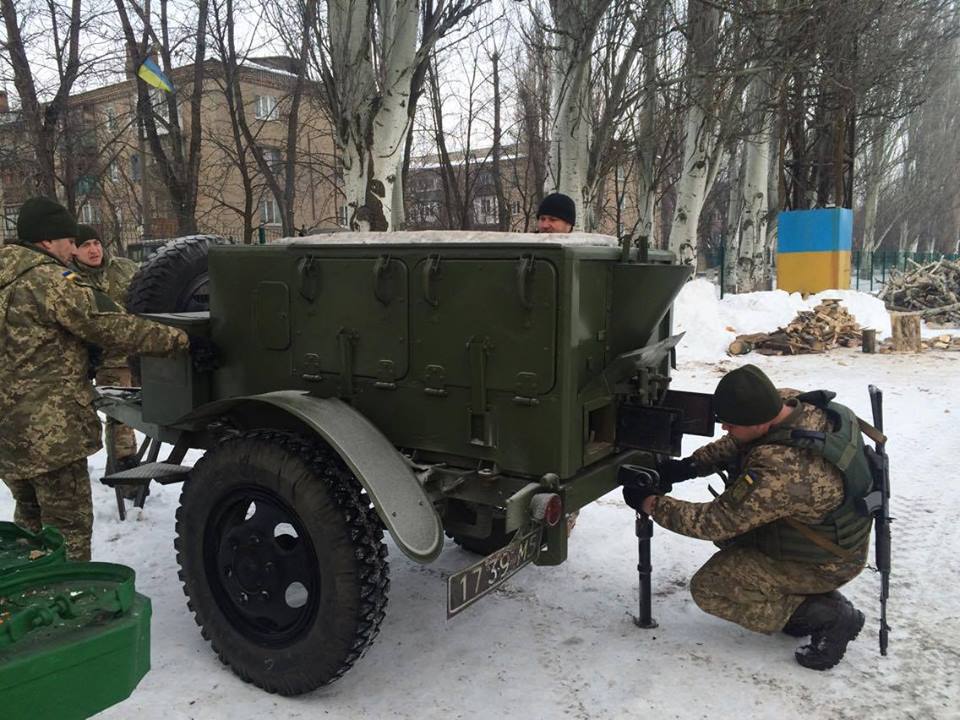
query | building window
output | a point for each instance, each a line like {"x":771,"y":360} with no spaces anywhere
{"x":89,"y":214}
{"x":516,"y":207}
{"x":111,"y":119}
{"x":342,"y":216}
{"x":135,"y":167}
{"x":113,"y":170}
{"x":265,"y":107}
{"x":485,"y":209}
{"x":274,"y":160}
{"x":269,"y":212}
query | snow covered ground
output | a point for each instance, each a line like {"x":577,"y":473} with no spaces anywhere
{"x":559,"y":642}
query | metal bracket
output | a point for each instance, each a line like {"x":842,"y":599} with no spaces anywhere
{"x":309,"y":271}
{"x":383,"y":288}
{"x":347,"y":339}
{"x":525,"y":268}
{"x":481,"y":430}
{"x":431,"y":273}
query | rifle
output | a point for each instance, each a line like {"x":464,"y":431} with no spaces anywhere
{"x":877,"y":504}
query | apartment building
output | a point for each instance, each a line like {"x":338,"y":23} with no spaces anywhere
{"x":112,"y":180}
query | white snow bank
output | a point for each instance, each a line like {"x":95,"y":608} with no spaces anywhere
{"x":711,"y":324}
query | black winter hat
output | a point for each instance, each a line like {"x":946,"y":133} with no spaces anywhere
{"x":44,"y":219}
{"x":746,"y":396}
{"x":559,"y":206}
{"x":84,"y":233}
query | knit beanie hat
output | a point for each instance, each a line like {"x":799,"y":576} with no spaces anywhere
{"x":746,"y":396}
{"x":44,"y":219}
{"x":560,"y":206}
{"x":84,"y":233}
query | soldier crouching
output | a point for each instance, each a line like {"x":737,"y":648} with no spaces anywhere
{"x":47,"y":422}
{"x":786,"y":524}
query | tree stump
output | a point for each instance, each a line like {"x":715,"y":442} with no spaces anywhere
{"x":906,"y":331}
{"x":869,"y":342}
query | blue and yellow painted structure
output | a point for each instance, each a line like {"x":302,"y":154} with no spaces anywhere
{"x":813,"y":249}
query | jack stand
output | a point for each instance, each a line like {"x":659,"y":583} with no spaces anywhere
{"x":645,"y":570}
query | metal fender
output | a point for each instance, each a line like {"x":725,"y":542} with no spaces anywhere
{"x":389,"y":481}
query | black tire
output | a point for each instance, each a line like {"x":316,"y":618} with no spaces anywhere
{"x":291,"y":594}
{"x":497,"y":539}
{"x":174,"y":279}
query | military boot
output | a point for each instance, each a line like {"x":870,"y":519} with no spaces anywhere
{"x":798,"y":626}
{"x":834,"y":622}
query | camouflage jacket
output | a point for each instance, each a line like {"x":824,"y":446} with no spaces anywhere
{"x":772,"y":482}
{"x":47,"y":319}
{"x":112,"y":278}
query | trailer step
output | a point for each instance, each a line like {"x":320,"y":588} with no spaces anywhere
{"x":161,"y":472}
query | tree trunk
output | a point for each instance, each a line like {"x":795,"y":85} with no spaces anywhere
{"x":699,"y":141}
{"x":575,"y":24}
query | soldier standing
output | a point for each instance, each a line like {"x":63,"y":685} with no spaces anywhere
{"x":788,"y":531}
{"x":112,"y":276}
{"x":48,"y":425}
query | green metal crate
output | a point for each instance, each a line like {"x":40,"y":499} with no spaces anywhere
{"x":21,"y":549}
{"x":74,"y":640}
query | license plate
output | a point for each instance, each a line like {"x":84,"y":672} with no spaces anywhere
{"x":470,"y":584}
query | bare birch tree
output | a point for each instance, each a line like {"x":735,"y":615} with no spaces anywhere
{"x":372,"y":56}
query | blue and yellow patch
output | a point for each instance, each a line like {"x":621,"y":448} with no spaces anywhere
{"x":741,"y":489}
{"x":70,"y":275}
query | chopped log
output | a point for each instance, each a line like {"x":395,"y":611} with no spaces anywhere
{"x":906,"y":331}
{"x":812,"y":331}
{"x":869,"y":343}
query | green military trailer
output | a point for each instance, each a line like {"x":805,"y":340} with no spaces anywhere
{"x":480,"y":385}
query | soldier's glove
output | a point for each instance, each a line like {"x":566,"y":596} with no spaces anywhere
{"x":674,"y":471}
{"x":94,"y":360}
{"x":639,"y":483}
{"x":203,"y":353}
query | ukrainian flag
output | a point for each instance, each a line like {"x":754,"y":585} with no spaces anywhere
{"x":153,"y":75}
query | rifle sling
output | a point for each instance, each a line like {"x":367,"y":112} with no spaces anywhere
{"x":819,"y":540}
{"x":871,"y":432}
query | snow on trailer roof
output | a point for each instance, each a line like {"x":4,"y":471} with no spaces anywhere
{"x":441,"y":237}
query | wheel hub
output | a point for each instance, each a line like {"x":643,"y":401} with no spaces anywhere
{"x":269,"y":580}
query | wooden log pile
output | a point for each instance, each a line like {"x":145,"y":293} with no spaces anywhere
{"x":933,"y":290}
{"x":827,"y":326}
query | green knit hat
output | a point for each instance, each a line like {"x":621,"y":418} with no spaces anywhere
{"x":84,"y":233}
{"x":746,"y":396}
{"x":44,"y":219}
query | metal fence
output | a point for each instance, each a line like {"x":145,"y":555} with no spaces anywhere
{"x":870,"y":270}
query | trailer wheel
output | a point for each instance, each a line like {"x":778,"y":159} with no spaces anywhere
{"x":282,"y":560}
{"x":174,"y":279}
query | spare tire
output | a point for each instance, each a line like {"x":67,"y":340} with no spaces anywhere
{"x":174,"y":279}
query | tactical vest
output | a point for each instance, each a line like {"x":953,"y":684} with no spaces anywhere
{"x":844,"y":527}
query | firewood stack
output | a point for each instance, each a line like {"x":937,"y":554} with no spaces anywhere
{"x":827,"y":326}
{"x":933,"y":290}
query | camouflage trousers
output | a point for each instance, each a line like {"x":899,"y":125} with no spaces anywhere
{"x":60,"y":498}
{"x":124,"y":441}
{"x":743,"y":585}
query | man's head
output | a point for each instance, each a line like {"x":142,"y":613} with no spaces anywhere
{"x":49,"y":225}
{"x":89,"y":251}
{"x":746,"y":403}
{"x":557,"y":214}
